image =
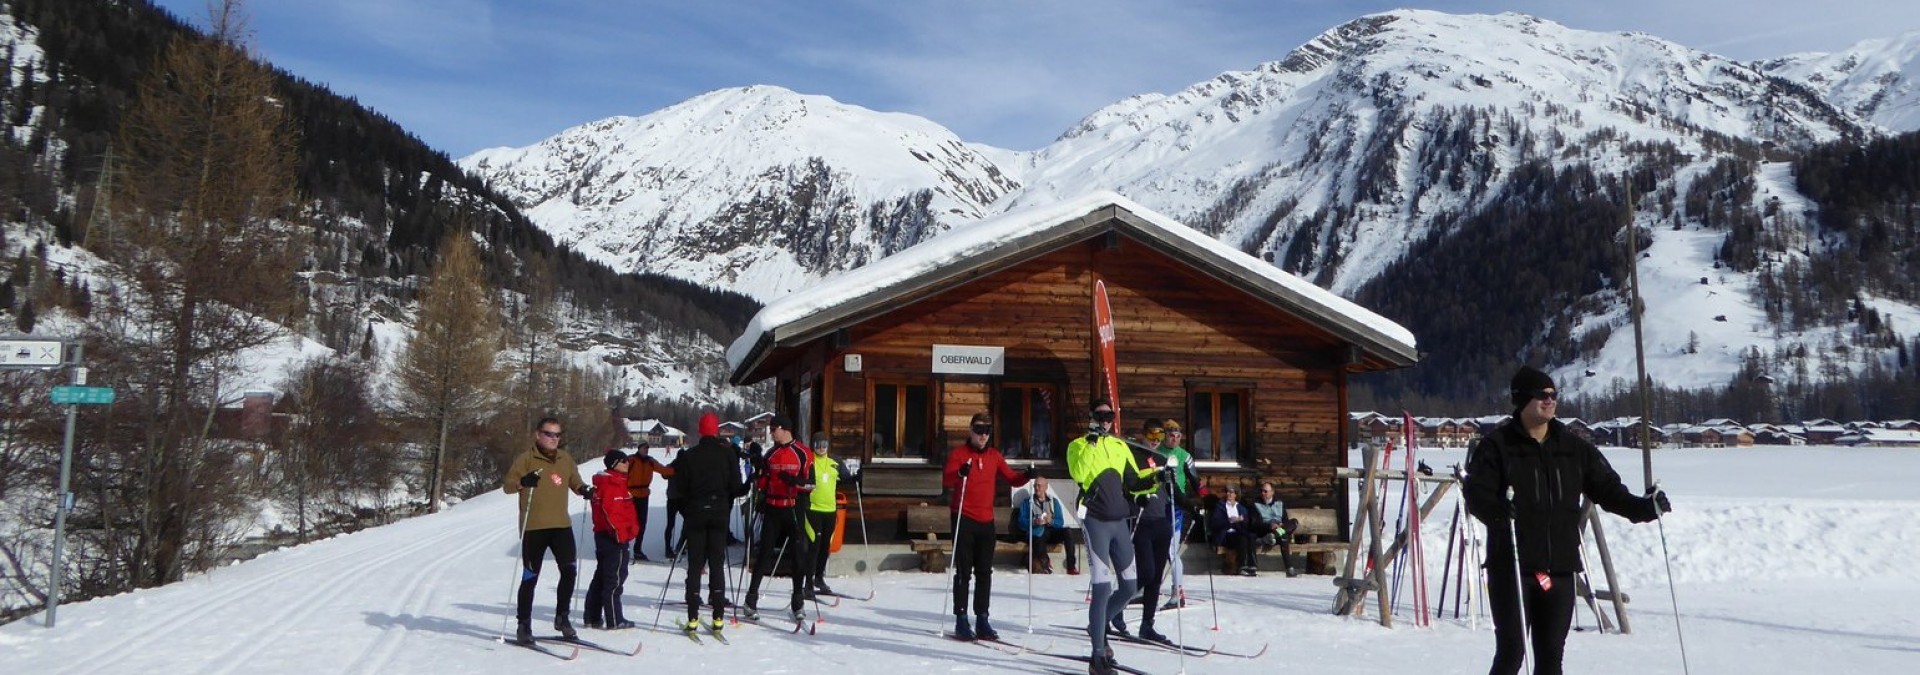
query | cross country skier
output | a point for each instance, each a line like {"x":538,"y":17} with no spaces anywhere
{"x":549,"y":474}
{"x":1152,"y":534}
{"x":706,"y":479}
{"x":973,"y":474}
{"x":785,"y":485}
{"x":1547,"y":470}
{"x":640,"y":486}
{"x":822,"y":508}
{"x":1108,"y":477}
{"x":614,"y":525}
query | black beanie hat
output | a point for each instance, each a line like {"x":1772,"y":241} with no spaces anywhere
{"x":1527,"y":381}
{"x":614,"y":456}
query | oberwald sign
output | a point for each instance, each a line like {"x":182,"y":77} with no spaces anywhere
{"x":969,"y":360}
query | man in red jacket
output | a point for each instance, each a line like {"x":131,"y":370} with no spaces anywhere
{"x":973,"y":474}
{"x":614,"y":525}
{"x":785,"y":484}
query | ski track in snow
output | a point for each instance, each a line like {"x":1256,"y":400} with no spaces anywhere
{"x":1772,"y":575}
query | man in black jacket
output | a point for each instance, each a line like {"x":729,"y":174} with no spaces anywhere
{"x":706,"y":479}
{"x":1548,"y":470}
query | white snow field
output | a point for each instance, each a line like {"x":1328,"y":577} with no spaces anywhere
{"x":1785,"y":561}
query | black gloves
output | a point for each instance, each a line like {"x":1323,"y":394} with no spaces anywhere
{"x":531,"y":479}
{"x":1659,"y":499}
{"x":1031,"y":473}
{"x":586,"y":491}
{"x":965,"y":468}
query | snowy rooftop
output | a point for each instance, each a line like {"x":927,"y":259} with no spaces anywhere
{"x":810,"y":312}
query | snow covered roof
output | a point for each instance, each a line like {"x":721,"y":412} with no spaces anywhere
{"x":963,"y":253}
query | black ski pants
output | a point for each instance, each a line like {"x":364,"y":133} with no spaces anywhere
{"x":640,"y":514}
{"x":706,"y":542}
{"x":1152,"y":539}
{"x":782,"y":534}
{"x":973,"y":559}
{"x":611,"y":558}
{"x":674,"y":507}
{"x":823,"y":526}
{"x":1549,"y":611}
{"x":534,"y":546}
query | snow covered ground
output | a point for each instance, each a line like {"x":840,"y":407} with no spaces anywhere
{"x":1784,"y":560}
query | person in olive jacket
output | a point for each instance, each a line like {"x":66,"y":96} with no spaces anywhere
{"x":546,"y":473}
{"x":1548,"y":471}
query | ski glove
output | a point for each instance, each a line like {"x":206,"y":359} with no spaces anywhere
{"x":531,"y":479}
{"x":1659,"y":498}
{"x":586,"y":491}
{"x":1031,"y":473}
{"x":965,"y":468}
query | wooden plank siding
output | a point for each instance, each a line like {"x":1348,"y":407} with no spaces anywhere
{"x":1176,"y":328}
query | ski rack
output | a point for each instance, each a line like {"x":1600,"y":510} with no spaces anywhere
{"x":1350,"y":598}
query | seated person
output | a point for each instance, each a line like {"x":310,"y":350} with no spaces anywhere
{"x":1232,"y":525}
{"x":1039,"y":517}
{"x":1271,"y":526}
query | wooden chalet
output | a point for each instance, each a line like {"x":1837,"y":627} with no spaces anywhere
{"x":892,"y":359}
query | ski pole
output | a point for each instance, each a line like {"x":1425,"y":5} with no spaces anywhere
{"x":953,"y":582}
{"x":861,"y":503}
{"x":1213,"y":600}
{"x":1519,"y":584}
{"x":1660,"y":519}
{"x":1029,"y":528}
{"x":671,"y":564}
{"x":1446,"y":561}
{"x":513,"y":588}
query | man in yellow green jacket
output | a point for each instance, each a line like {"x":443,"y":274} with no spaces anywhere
{"x":545,"y":474}
{"x":1109,"y":478}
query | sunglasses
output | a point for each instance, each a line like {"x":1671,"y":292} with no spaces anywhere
{"x":1544,"y":395}
{"x":556,"y":435}
{"x":1103,"y":415}
{"x":983,"y":429}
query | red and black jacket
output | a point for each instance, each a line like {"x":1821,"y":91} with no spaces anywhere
{"x":788,"y":475}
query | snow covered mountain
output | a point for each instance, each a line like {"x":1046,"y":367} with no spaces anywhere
{"x":756,"y":188}
{"x":1332,"y":163}
{"x":1878,"y":80}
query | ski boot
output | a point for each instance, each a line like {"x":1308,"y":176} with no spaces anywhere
{"x":983,"y":630}
{"x":1149,"y":634}
{"x":961,"y":629}
{"x":560,"y":623}
{"x":523,"y":635}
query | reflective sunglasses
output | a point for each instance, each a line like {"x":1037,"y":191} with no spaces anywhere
{"x":1544,"y":395}
{"x":983,"y":429}
{"x":1103,"y":415}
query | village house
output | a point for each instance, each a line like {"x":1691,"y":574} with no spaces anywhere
{"x":892,"y":359}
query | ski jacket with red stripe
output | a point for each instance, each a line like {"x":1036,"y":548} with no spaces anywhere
{"x":985,"y":468}
{"x":789,"y":468}
{"x":613,"y":507}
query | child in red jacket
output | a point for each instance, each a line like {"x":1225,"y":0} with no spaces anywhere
{"x":614,"y":528}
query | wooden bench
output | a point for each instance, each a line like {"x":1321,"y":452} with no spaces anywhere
{"x":1317,"y":538}
{"x":928,"y":523}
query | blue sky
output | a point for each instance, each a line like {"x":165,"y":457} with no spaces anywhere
{"x":470,"y":74}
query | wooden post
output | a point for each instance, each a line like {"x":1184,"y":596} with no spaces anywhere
{"x":1606,"y":563}
{"x":1347,"y":600}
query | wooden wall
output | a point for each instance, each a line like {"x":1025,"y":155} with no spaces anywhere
{"x":1175,"y":326}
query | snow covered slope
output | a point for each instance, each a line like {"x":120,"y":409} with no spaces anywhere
{"x":758,"y":188}
{"x":1331,"y":163}
{"x":1878,"y":80}
{"x":1784,"y":560}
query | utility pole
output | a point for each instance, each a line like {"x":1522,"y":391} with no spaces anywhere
{"x":1636,"y":309}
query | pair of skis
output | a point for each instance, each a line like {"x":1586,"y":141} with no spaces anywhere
{"x":568,"y":649}
{"x":695,"y":636}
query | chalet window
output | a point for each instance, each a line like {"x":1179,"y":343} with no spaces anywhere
{"x":1024,"y":420}
{"x":902,"y":420}
{"x":1217,"y":431}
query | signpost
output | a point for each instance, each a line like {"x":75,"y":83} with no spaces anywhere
{"x":42,"y":353}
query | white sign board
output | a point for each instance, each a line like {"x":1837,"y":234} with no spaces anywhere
{"x":969,"y":360}
{"x":25,"y":353}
